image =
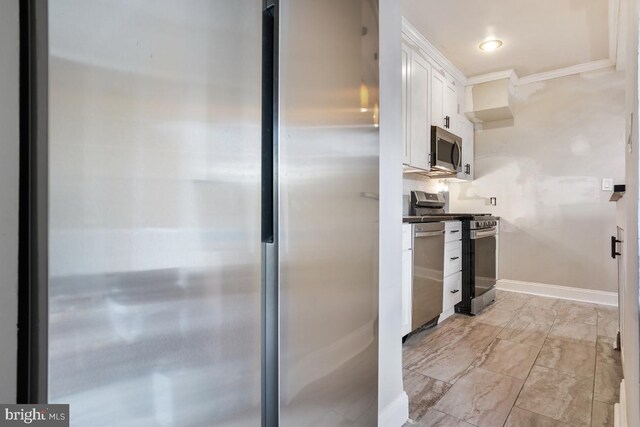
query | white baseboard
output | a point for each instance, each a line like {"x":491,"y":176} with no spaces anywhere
{"x":620,"y":409}
{"x":396,"y":413}
{"x":561,"y":292}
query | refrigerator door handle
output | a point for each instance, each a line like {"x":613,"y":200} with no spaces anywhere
{"x":269,"y":189}
{"x":269,"y":108}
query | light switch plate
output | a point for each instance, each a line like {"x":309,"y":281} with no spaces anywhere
{"x":607,"y":184}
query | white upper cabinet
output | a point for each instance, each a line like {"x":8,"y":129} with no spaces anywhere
{"x":420,"y":121}
{"x":406,"y":96}
{"x":444,"y":101}
{"x":450,"y":107}
{"x":438,"y":85}
{"x":431,"y":96}
{"x":416,"y":84}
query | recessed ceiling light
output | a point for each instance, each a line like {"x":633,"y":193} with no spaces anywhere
{"x":490,"y":45}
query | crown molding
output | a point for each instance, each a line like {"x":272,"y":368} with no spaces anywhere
{"x":416,"y":37}
{"x":489,"y":77}
{"x":600,"y":64}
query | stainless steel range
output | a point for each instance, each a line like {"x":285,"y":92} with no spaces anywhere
{"x":479,"y":248}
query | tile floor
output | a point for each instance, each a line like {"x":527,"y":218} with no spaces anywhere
{"x":525,"y":361}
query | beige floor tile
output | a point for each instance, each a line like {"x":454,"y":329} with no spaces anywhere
{"x":422,"y":337}
{"x":423,"y":392}
{"x":435,"y":418}
{"x":468,"y":371}
{"x":605,"y":352}
{"x":457,"y":320}
{"x":508,"y":358}
{"x":481,"y":335}
{"x":607,"y":326}
{"x":511,"y":301}
{"x":608,"y":312}
{"x":576,"y":312}
{"x":448,"y":355}
{"x":607,"y":384}
{"x":538,"y":314}
{"x":445,"y":365}
{"x":440,"y":339}
{"x":602,"y":415}
{"x":576,"y":357}
{"x":558,"y":395}
{"x":445,"y":334}
{"x":501,"y":294}
{"x":481,"y":397}
{"x":521,"y":418}
{"x":495,"y":316}
{"x":574,"y":332}
{"x":524,"y":332}
{"x":538,"y":301}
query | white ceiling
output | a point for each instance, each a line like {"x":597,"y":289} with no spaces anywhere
{"x":538,"y":35}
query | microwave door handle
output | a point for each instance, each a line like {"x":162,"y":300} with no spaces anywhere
{"x":453,"y":150}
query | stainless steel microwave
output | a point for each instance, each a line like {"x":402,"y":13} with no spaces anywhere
{"x":446,"y":151}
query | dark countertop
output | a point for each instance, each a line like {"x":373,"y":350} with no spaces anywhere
{"x":436,"y":218}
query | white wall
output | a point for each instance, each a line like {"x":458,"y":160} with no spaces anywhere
{"x":393,"y":409}
{"x":9,"y":169}
{"x":546,"y":173}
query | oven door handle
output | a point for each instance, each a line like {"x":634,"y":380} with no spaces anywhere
{"x":479,"y":234}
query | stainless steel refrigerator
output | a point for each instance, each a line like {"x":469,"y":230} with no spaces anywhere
{"x":212,"y":214}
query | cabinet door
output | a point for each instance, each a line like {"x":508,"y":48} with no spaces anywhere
{"x":420,"y":135}
{"x":465,"y":127}
{"x":406,"y":292}
{"x":437,"y":99}
{"x":452,"y":291}
{"x":453,"y":231}
{"x":406,"y":96}
{"x":450,"y":108}
{"x":452,"y":257}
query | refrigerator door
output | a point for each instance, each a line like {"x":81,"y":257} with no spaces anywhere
{"x":154,"y":174}
{"x":328,"y":212}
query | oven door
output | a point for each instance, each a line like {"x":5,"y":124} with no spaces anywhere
{"x":484,"y":243}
